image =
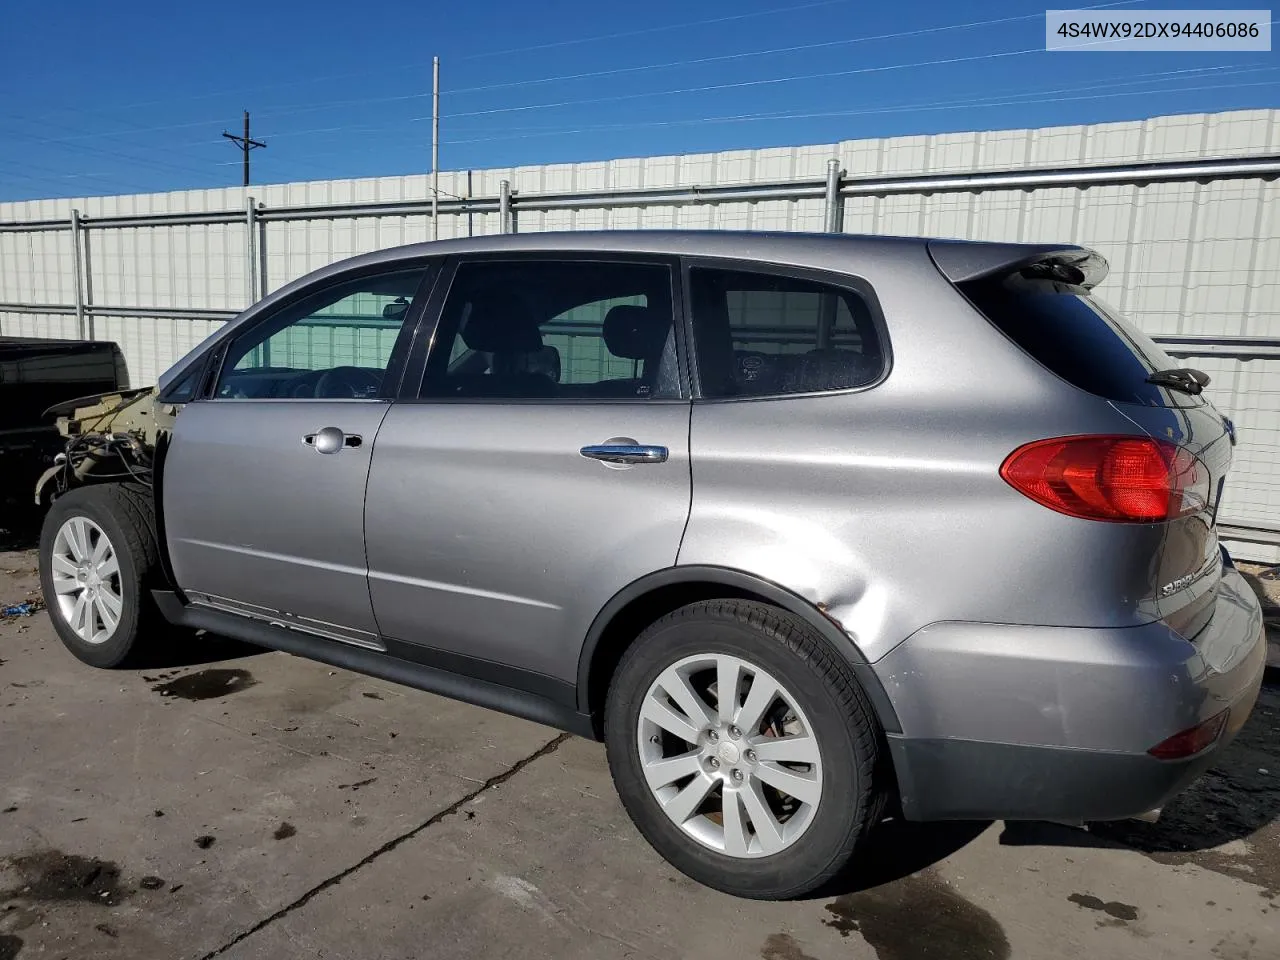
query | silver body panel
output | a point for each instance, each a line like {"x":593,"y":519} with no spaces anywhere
{"x":254,"y":514}
{"x":1031,"y":658}
{"x":490,"y":534}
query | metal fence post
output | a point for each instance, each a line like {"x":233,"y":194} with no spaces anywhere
{"x":82,"y":322}
{"x":834,"y":202}
{"x":833,"y":223}
{"x":251,"y":250}
{"x":504,"y":207}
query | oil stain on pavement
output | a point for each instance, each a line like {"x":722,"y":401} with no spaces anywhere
{"x":779,"y":946}
{"x":899,"y":918}
{"x":51,"y":876}
{"x":1112,"y":908}
{"x":206,"y":684}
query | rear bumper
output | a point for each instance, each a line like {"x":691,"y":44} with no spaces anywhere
{"x":1053,"y":723}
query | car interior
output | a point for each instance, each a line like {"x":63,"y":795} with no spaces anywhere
{"x":503,"y":328}
{"x":292,"y":356}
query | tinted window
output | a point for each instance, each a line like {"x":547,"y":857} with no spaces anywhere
{"x":761,"y":334}
{"x":334,"y":344}
{"x":547,"y":329}
{"x":1077,"y":337}
{"x":185,"y":387}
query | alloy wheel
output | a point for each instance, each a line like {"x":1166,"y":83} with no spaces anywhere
{"x":729,"y":755}
{"x":86,"y":580}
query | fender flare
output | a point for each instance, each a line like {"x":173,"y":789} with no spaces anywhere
{"x":749,"y":583}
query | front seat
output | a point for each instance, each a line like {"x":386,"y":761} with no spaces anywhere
{"x":512,"y":338}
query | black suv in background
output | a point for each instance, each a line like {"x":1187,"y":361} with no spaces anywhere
{"x":36,"y":376}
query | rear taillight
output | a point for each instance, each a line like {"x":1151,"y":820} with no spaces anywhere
{"x":1190,"y":742}
{"x":1118,"y":479}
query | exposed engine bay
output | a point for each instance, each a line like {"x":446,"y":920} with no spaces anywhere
{"x":111,"y":437}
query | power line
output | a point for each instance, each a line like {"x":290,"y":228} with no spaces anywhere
{"x":742,"y":83}
{"x":799,"y":48}
{"x":699,"y":89}
{"x":506,"y":129}
{"x":1030,"y":97}
{"x":132,"y":130}
{"x":739,"y":84}
{"x":131,"y":157}
{"x":476,"y":56}
{"x":660,"y":28}
{"x":293,"y":109}
{"x":932,"y":106}
{"x":59,"y":180}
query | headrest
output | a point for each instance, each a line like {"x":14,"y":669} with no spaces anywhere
{"x":500,"y":329}
{"x":544,"y":361}
{"x":636,"y":333}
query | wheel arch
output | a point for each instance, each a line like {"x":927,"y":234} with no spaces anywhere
{"x":643,"y":601}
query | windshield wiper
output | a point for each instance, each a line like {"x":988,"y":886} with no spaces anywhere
{"x":1186,"y":379}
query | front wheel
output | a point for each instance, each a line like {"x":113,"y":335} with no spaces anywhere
{"x":744,"y":749}
{"x":98,"y":556}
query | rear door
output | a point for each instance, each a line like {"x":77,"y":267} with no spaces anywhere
{"x":264,"y":482}
{"x":539,"y":467}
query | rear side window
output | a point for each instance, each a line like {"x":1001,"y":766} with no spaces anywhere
{"x":762,"y":334}
{"x":543,"y":329}
{"x":1078,"y":337}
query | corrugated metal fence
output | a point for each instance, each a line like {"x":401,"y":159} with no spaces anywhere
{"x":1183,"y":207}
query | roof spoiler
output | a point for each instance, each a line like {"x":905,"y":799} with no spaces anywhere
{"x":962,"y":261}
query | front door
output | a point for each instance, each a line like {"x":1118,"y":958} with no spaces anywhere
{"x":264,"y":482}
{"x":541,"y":466}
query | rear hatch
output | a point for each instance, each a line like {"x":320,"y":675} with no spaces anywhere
{"x":1041,"y":298}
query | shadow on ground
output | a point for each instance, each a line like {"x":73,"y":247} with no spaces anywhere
{"x":1226,"y":821}
{"x":899,"y":849}
{"x":172,"y":648}
{"x":19,"y":526}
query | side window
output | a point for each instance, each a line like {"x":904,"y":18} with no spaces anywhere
{"x":551,"y":329}
{"x":185,"y":388}
{"x":760,"y":334}
{"x":334,"y":344}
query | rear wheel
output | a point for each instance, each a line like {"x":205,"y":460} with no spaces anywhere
{"x":98,"y":557}
{"x":744,"y":749}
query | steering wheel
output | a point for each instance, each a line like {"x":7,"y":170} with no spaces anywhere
{"x":347,"y":382}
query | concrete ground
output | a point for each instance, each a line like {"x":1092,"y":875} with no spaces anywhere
{"x":254,"y":805}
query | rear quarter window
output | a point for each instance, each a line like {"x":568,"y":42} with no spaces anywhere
{"x":765,"y":334}
{"x":1078,"y":337}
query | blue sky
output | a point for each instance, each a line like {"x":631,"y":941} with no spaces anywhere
{"x":133,"y":96}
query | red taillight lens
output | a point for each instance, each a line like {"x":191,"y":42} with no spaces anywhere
{"x":1190,"y":742}
{"x":1120,"y":479}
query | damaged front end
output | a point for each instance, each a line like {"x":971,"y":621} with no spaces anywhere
{"x":109,"y":437}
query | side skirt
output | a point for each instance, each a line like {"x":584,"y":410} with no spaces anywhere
{"x":545,"y":706}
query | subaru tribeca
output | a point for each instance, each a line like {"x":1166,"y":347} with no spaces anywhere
{"x":798,"y":525}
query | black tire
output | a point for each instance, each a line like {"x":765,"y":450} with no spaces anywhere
{"x":126,"y":514}
{"x":852,"y":796}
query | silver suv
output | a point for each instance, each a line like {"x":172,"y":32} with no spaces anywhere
{"x":800,"y":526}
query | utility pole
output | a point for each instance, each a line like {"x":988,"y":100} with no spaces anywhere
{"x":435,"y":148}
{"x":245,"y":145}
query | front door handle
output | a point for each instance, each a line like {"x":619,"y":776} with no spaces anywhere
{"x":331,"y":440}
{"x":624,"y":450}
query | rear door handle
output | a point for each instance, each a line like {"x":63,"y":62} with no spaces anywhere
{"x":331,"y":440}
{"x":624,"y":450}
